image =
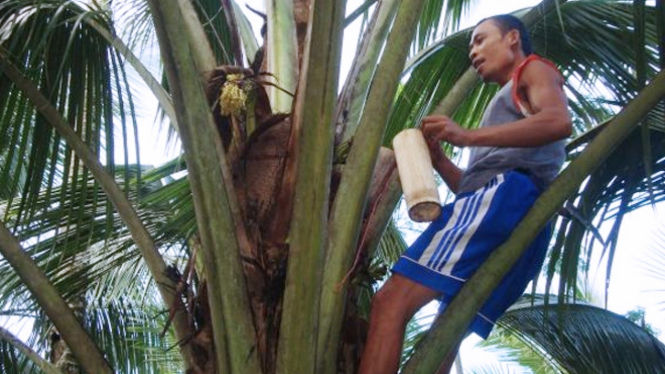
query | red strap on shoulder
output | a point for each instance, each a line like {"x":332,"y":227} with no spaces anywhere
{"x":517,"y":75}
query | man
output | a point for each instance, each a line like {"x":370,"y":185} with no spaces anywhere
{"x":517,"y":150}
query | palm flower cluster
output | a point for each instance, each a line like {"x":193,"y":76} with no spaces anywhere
{"x":232,"y":97}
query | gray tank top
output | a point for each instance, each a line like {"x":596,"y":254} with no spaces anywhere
{"x":541,"y":163}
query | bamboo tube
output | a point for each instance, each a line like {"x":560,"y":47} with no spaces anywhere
{"x":414,"y":166}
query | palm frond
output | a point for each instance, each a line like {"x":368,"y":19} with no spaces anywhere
{"x":586,"y":339}
{"x":75,"y":68}
{"x":517,"y":350}
{"x":136,"y":21}
{"x":249,"y":41}
{"x":490,"y":368}
{"x":654,"y":262}
{"x":25,"y":350}
{"x":84,"y":250}
{"x":390,"y":247}
{"x":440,"y":18}
{"x":223,"y":38}
{"x":13,"y":362}
{"x":129,"y":332}
{"x":620,"y":186}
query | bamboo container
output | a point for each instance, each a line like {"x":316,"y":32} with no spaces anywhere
{"x":414,"y":166}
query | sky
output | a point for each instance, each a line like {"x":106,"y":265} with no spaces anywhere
{"x":632,"y":285}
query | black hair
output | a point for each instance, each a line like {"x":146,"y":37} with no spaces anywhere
{"x":506,"y":22}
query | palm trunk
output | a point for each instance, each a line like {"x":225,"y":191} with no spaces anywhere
{"x":282,"y":56}
{"x":233,"y":331}
{"x":314,"y":128}
{"x":347,"y":211}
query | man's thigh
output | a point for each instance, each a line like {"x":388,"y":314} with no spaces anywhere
{"x":403,"y":293}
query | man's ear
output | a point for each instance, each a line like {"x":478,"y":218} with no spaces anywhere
{"x":514,"y":37}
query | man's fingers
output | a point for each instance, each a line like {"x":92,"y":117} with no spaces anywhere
{"x":433,"y":128}
{"x":434,"y":118}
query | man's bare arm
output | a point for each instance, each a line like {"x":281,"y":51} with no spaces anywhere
{"x":550,"y":120}
{"x":448,"y":171}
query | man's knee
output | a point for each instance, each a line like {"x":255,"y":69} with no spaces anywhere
{"x":388,"y":303}
{"x":385,"y":297}
{"x":400,"y":298}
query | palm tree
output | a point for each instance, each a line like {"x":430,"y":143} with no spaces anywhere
{"x":262,"y":259}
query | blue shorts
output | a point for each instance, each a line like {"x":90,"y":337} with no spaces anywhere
{"x":450,"y":250}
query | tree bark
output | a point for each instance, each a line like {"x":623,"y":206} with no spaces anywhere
{"x":312,"y":121}
{"x":349,"y":204}
{"x":233,"y":330}
{"x":282,"y":54}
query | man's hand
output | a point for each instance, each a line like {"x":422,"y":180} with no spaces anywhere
{"x":450,"y":173}
{"x":435,"y":151}
{"x":441,"y":128}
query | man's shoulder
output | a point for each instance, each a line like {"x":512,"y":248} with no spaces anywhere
{"x":534,"y":72}
{"x":537,"y":70}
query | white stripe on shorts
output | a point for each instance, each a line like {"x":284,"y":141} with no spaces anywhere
{"x":448,"y":241}
{"x":446,"y":250}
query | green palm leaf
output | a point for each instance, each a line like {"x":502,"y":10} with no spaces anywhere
{"x":129,"y":332}
{"x":223,"y":38}
{"x":100,"y":264}
{"x":620,"y":186}
{"x":82,"y":77}
{"x":511,"y":349}
{"x":17,"y":357}
{"x":585,"y":339}
{"x":414,"y":334}
{"x":653,"y":264}
{"x":82,"y":236}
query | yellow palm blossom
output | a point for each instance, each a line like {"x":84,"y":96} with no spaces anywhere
{"x":232,"y":97}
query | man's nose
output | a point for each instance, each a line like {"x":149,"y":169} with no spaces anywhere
{"x":472,"y":53}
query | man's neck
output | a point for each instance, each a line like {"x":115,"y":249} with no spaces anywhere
{"x":508,"y":75}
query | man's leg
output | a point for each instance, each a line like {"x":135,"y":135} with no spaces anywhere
{"x":392,"y":308}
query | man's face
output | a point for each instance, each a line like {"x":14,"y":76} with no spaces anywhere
{"x":490,"y":51}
